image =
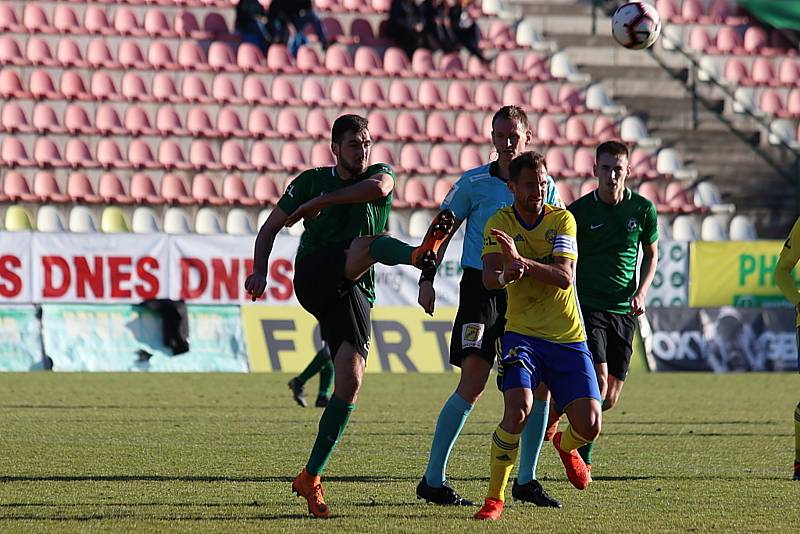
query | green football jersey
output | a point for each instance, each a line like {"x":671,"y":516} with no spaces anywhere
{"x":608,"y":248}
{"x":338,"y":223}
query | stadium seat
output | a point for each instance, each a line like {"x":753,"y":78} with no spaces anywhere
{"x":528,"y":35}
{"x":49,"y":219}
{"x":232,"y":157}
{"x":441,"y":161}
{"x":534,"y":66}
{"x":77,"y":121}
{"x":678,"y":197}
{"x":140,"y":155}
{"x":157,"y":25}
{"x":138,"y":123}
{"x":185,"y":25}
{"x":96,"y":21}
{"x":45,"y":187}
{"x":367,"y":62}
{"x":396,"y":63}
{"x":728,"y":41}
{"x":587,"y":186}
{"x":652,"y":192}
{"x":230,"y":124}
{"x":45,"y":120}
{"x":770,"y":103}
{"x":144,"y":221}
{"x":263,"y":157}
{"x":756,"y":40}
{"x":38,"y":53}
{"x":164,"y":89}
{"x":742,"y":229}
{"x":429,"y":96}
{"x":8,"y":19}
{"x":685,"y":228}
{"x":265,"y":192}
{"x":202,"y":156}
{"x":279,"y":60}
{"x":11,"y":85}
{"x":308,"y":61}
{"x":69,"y":54}
{"x":47,"y":154}
{"x":438,"y":129}
{"x":467,"y":130}
{"x":238,"y":223}
{"x":407,"y":127}
{"x":17,"y":189}
{"x":170,"y":155}
{"x":18,"y":219}
{"x":566,"y":192}
{"x":761,"y":72}
{"x":700,"y":40}
{"x":441,"y":188}
{"x":234,"y":191}
{"x":13,"y":153}
{"x":576,"y":132}
{"x":130,"y":56}
{"x":10,"y":53}
{"x":159,"y":57}
{"x":371,"y":94}
{"x":321,"y":155}
{"x":176,"y":221}
{"x":668,"y":162}
{"x":411,"y":159}
{"x":259,"y":124}
{"x":558,"y":164}
{"x":13,"y":119}
{"x":143,"y":190}
{"x":41,"y":86}
{"x":451,"y":66}
{"x":193,"y":89}
{"x":191,"y":57}
{"x":379,"y":127}
{"x":338,"y":61}
{"x":82,"y":220}
{"x":114,"y":221}
{"x":111,"y":190}
{"x":713,"y":229}
{"x":204,"y":191}
{"x":288,"y":124}
{"x":548,"y":131}
{"x":486,"y":97}
{"x":418,"y":222}
{"x":583,"y":162}
{"x":400,"y":94}
{"x":292,"y":158}
{"x":506,"y":67}
{"x":223,"y":89}
{"x":459,"y":97}
{"x":633,"y":130}
{"x":383,"y":154}
{"x":107,"y":121}
{"x":643,"y":164}
{"x":422,"y":64}
{"x":263,"y":215}
{"x":542,"y":99}
{"x":707,"y":196}
{"x":284,"y":92}
{"x":175,"y":191}
{"x":470,"y":157}
{"x":313,"y":94}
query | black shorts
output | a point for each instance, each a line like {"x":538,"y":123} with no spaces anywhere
{"x":610,"y":339}
{"x":341,"y":307}
{"x":480,"y":319}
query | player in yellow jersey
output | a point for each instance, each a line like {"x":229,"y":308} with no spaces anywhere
{"x":530,"y":248}
{"x":790,"y":255}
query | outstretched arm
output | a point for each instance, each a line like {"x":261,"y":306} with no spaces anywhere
{"x":256,"y":282}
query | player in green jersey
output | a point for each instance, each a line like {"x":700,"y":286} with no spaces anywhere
{"x":613,"y":222}
{"x":345,"y":210}
{"x":790,"y":255}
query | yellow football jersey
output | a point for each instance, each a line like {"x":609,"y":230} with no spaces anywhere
{"x":534,"y":308}
{"x":790,"y":254}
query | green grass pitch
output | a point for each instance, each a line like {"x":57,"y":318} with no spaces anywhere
{"x":217,"y":452}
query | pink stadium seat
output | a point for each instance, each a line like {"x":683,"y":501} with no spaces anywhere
{"x":135,"y":90}
{"x":232,"y":156}
{"x":79,"y":156}
{"x":99,"y":56}
{"x":412,"y":160}
{"x":215,"y":24}
{"x":513,"y":96}
{"x":308,"y":61}
{"x":576,"y":131}
{"x":321,"y":155}
{"x":102,"y":86}
{"x":535,"y":66}
{"x":68,"y":54}
{"x":107,"y":121}
{"x":249,"y":58}
{"x":558,"y":164}
{"x":312,"y":93}
{"x":755,"y":39}
{"x":566,"y":192}
{"x":395,"y":62}
{"x":793,"y":103}
{"x":143,"y":190}
{"x":678,"y":199}
{"x":170,"y":156}
{"x":77,"y":121}
{"x":736,"y":71}
{"x":604,"y":129}
{"x":259,"y":124}
{"x":407,"y":127}
{"x":205,"y":192}
{"x":159,"y":56}
{"x":112,"y":191}
{"x":380,"y":127}
{"x":500,"y":35}
{"x":583,"y":162}
{"x":230,"y":124}
{"x":46,"y":153}
{"x":96,"y":21}
{"x":643,"y":164}
{"x":438,"y":129}
{"x":486,"y":96}
{"x":223,"y":89}
{"x":8,"y":19}
{"x":333,"y":28}
{"x":691,"y":10}
{"x":80,"y":189}
{"x":342,"y":93}
{"x":652,"y":192}
{"x":279,"y":59}
{"x":174,"y":190}
{"x":263,"y":157}
{"x":668,"y":10}
{"x":771,"y":102}
{"x":571,"y":99}
{"x":168,"y":122}
{"x":16,"y":188}
{"x":199,"y":123}
{"x":451,"y":66}
{"x":191,"y":56}
{"x":470,"y":158}
{"x":788,"y":72}
{"x":194,"y":89}
{"x":13,"y":153}
{"x":234,"y":191}
{"x":429,"y":96}
{"x":138,"y":123}
{"x":467,"y":130}
{"x":38,"y":52}
{"x":729,"y":41}
{"x":45,"y":186}
{"x":185,"y":25}
{"x":140,"y":155}
{"x":548,"y":131}
{"x":337,"y":60}
{"x":265,"y":192}
{"x":542,"y":99}
{"x":371,"y":94}
{"x":720,"y":10}
{"x":398,"y":197}
{"x":700,"y":40}
{"x":220,"y":56}
{"x":440,"y":190}
{"x":41,"y":85}
{"x":11,"y":85}
{"x":10,"y":53}
{"x":358,"y":6}
{"x":254,"y":91}
{"x":587,"y":187}
{"x":422,"y":64}
{"x":156,"y":24}
{"x":126,"y":23}
{"x":45,"y":121}
{"x":362,"y":33}
{"x":477,"y":69}
{"x":505,"y":66}
{"x":288,"y":124}
{"x":164,"y":89}
{"x":202,"y":157}
{"x":383,"y":154}
{"x":762,"y":72}
{"x":441,"y":160}
{"x":416,"y":194}
{"x":292,"y":158}
{"x":319,"y":127}
{"x":284,"y":91}
{"x":367,"y":62}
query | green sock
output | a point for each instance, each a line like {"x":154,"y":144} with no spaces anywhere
{"x":390,"y":251}
{"x":586,"y":452}
{"x":331,"y":427}
{"x":326,"y":379}
{"x":314,"y":367}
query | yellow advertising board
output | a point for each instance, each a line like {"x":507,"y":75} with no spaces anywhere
{"x":404,"y":339}
{"x":733,"y":273}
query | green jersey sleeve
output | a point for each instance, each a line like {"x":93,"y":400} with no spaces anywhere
{"x":298,"y":192}
{"x":649,"y":233}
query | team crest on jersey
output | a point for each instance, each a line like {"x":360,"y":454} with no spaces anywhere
{"x":550,"y":236}
{"x":632,"y":224}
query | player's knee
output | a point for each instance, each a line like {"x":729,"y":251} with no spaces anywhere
{"x":515,"y":415}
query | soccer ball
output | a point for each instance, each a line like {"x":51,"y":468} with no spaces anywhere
{"x":636,"y":25}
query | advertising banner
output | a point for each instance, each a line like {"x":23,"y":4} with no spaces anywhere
{"x":15,"y":267}
{"x":670,"y":283}
{"x":734,"y":273}
{"x":722,"y":339}
{"x":119,"y":337}
{"x":20,"y":339}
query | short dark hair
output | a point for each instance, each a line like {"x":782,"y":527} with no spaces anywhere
{"x":613,"y":148}
{"x":347,"y":123}
{"x":512,"y":113}
{"x":527,"y":160}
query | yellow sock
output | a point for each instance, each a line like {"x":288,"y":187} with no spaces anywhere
{"x":504,"y":453}
{"x":797,"y":434}
{"x":571,"y":440}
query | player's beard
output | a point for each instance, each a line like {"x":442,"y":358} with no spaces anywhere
{"x":356,"y":169}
